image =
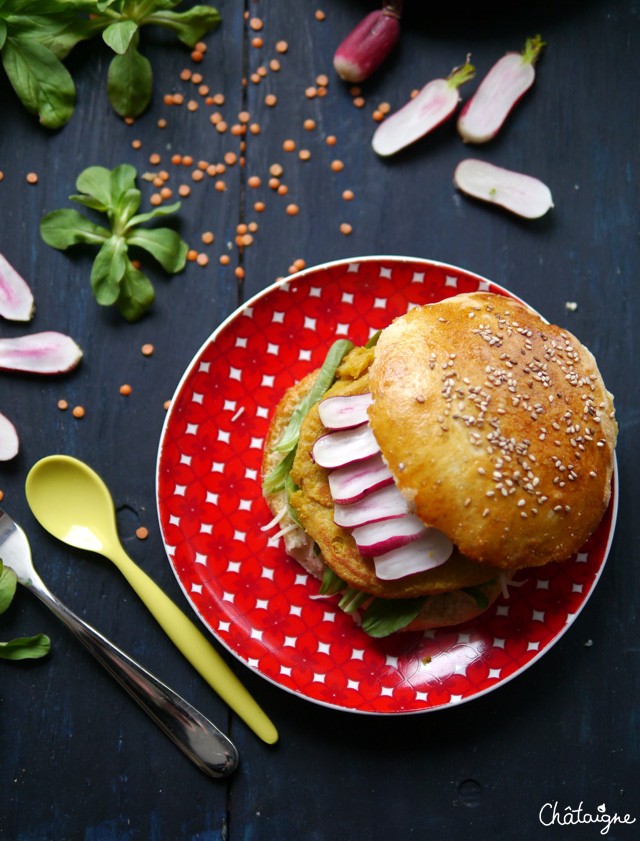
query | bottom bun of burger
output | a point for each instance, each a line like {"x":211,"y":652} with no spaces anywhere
{"x":496,"y":430}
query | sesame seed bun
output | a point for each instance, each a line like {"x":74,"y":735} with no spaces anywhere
{"x":496,"y":426}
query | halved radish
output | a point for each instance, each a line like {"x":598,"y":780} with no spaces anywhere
{"x":483,"y":115}
{"x":429,"y":551}
{"x":377,"y":538}
{"x":16,"y":299}
{"x":345,"y":411}
{"x":354,"y":481}
{"x":433,"y":105}
{"x":514,"y":191}
{"x":335,"y":449}
{"x":9,"y":443}
{"x":40,"y":353}
{"x":380,"y":505}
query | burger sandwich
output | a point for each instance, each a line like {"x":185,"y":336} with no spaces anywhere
{"x":414,"y":476}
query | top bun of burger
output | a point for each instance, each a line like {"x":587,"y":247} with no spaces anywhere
{"x":497,"y":428}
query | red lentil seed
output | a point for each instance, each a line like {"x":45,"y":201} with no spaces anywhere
{"x":282,"y":189}
{"x":142,"y":533}
{"x":304,"y":154}
{"x":322,"y":80}
{"x":378,"y":116}
{"x":289,"y":145}
{"x":253,"y":227}
{"x":63,"y":405}
{"x":155,"y":199}
{"x":274,"y":65}
{"x":221,"y":127}
{"x":218,"y":99}
{"x":359,"y":101}
{"x":292,"y":209}
{"x":254,"y":79}
{"x":319,"y":14}
{"x":185,"y":74}
{"x":162,"y":123}
{"x":125,"y":389}
{"x":202,"y":259}
{"x":311,"y":92}
{"x":136,"y":144}
{"x":1,"y":175}
{"x":384,"y":107}
{"x":347,"y":195}
{"x":220,"y":185}
{"x":257,"y":42}
{"x":254,"y":128}
{"x":282,"y":47}
{"x":270,"y":100}
{"x":346,"y":228}
{"x":207,"y":237}
{"x":197,"y":78}
{"x":309,"y":124}
{"x":274,"y":183}
{"x":225,"y":259}
{"x":166,"y":193}
{"x":187,"y":160}
{"x":192,"y":105}
{"x":192,"y":255}
{"x":239,"y":272}
{"x":337,"y":166}
{"x":256,"y":24}
{"x":32,"y":178}
{"x":355,"y":90}
{"x":197,"y":56}
{"x":147,"y":349}
{"x":203,"y":90}
{"x":331,"y":140}
{"x":262,"y":71}
{"x":259,"y":207}
{"x":201,"y":47}
{"x":78,"y":412}
{"x":184,"y":190}
{"x":176,"y":159}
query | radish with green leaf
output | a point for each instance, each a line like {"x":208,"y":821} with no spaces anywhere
{"x":435,"y":103}
{"x":508,"y":80}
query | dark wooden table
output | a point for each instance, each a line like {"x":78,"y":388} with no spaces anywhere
{"x":79,"y":760}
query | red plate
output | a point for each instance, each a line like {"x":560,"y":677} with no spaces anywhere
{"x":257,"y":601}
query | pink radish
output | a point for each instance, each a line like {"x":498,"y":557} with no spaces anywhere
{"x":377,"y":538}
{"x":39,"y":353}
{"x":16,"y":300}
{"x":345,"y":411}
{"x":432,"y":106}
{"x":9,"y":444}
{"x":380,"y":505}
{"x":427,"y":552}
{"x":514,"y":191}
{"x":483,"y":115}
{"x":353,"y":481}
{"x":367,"y":46}
{"x":335,"y":449}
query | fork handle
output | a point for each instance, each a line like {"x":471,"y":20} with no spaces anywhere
{"x":194,"y":734}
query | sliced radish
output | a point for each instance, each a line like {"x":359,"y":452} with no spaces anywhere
{"x":354,"y":481}
{"x":40,"y":353}
{"x":335,"y":449}
{"x":366,"y":47}
{"x":379,"y":505}
{"x":16,"y":299}
{"x":377,"y":538}
{"x":345,"y":411}
{"x":514,"y":191}
{"x":483,"y":115}
{"x":9,"y":444}
{"x":433,"y":105}
{"x":427,"y":552}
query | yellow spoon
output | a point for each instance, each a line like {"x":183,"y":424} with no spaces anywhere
{"x":72,"y":502}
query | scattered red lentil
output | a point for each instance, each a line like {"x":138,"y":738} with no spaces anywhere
{"x":359,"y":101}
{"x":259,"y":206}
{"x":197,"y":78}
{"x":136,"y":144}
{"x":63,"y":405}
{"x":331,"y":140}
{"x":282,"y":189}
{"x":220,"y":185}
{"x":384,"y":107}
{"x":262,"y":71}
{"x":197,"y":175}
{"x":155,"y":199}
{"x":256,"y":24}
{"x":304,"y":154}
{"x":192,"y":105}
{"x":270,"y":100}
{"x":147,"y":349}
{"x":185,"y":74}
{"x":218,"y":99}
{"x":254,"y":128}
{"x":309,"y":124}
{"x":282,"y":47}
{"x":203,"y":90}
{"x":230,"y":158}
{"x":1,"y":492}
{"x":322,"y":80}
{"x":202,"y":259}
{"x":293,"y":209}
{"x":337,"y":166}
{"x":125,"y":390}
{"x":254,"y":78}
{"x":257,"y":42}
{"x":253,"y":227}
{"x":274,"y":183}
{"x":166,"y":404}
{"x":184,"y":190}
{"x":176,"y":159}
{"x":221,"y":127}
{"x":178,"y":99}
{"x":311,"y":92}
{"x":1,"y":175}
{"x":32,"y":178}
{"x":207,"y":237}
{"x":378,"y":116}
{"x":239,"y":272}
{"x":187,"y":160}
{"x":192,"y":255}
{"x":201,"y":47}
{"x":78,"y":412}
{"x":355,"y":90}
{"x":346,"y":228}
{"x":225,"y":259}
{"x":142,"y":533}
{"x":197,"y":56}
{"x":319,"y":14}
{"x":347,"y":195}
{"x":162,"y":123}
{"x":289,"y":145}
{"x":166,"y":193}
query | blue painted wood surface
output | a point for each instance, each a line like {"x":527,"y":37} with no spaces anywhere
{"x":78,"y":760}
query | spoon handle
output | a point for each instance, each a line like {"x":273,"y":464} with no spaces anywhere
{"x":196,"y":648}
{"x":194,"y":734}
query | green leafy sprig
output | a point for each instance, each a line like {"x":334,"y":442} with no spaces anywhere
{"x":21,"y":648}
{"x":114,"y":277}
{"x":37,"y":35}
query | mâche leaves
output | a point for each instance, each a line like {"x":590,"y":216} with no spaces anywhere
{"x":114,"y":278}
{"x":21,"y":648}
{"x":37,"y":35}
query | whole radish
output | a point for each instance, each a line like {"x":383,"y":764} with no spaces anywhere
{"x":436,"y":102}
{"x":483,"y":115}
{"x":367,"y":46}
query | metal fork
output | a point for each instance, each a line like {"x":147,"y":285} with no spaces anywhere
{"x":194,"y":734}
